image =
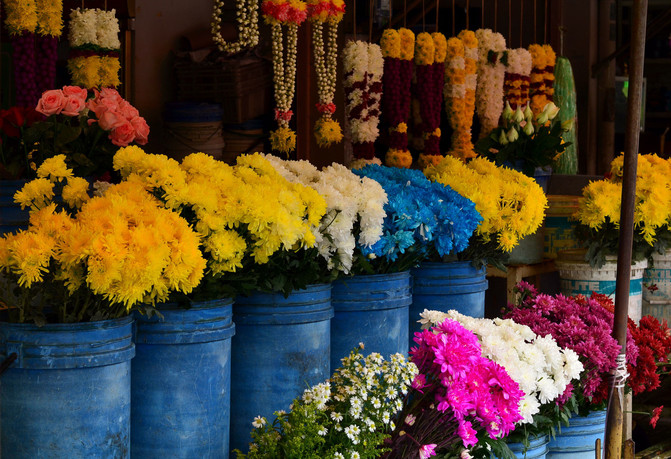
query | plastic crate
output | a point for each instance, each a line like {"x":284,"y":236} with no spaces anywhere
{"x":242,"y":86}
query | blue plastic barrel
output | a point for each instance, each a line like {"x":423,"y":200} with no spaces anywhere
{"x":181,"y":382}
{"x":372,"y":310}
{"x":12,"y":218}
{"x":444,"y":286}
{"x":538,"y":448}
{"x":68,"y":392}
{"x":577,"y":441}
{"x":281,"y":347}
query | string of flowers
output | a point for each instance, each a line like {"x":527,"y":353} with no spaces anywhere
{"x":49,"y":29}
{"x":430,"y":55}
{"x":398,"y":49}
{"x":326,"y":12}
{"x":492,"y":60}
{"x":455,"y":97}
{"x":542,"y":76}
{"x":517,"y":79}
{"x":21,"y":23}
{"x":281,"y":14}
{"x":363,"y":65}
{"x":94,"y":41}
{"x":247,"y":15}
{"x":463,"y":142}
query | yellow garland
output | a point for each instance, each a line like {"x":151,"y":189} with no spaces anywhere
{"x":283,"y":139}
{"x":21,"y":16}
{"x":455,"y":101}
{"x":425,"y":51}
{"x":537,"y":79}
{"x":50,"y":17}
{"x":425,"y":161}
{"x":327,"y":132}
{"x":95,"y":71}
{"x":398,"y":158}
{"x":407,"y":38}
{"x":463,"y":142}
{"x":390,"y":43}
{"x":440,"y":46}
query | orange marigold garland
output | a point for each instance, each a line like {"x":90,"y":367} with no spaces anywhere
{"x":281,"y":14}
{"x":430,"y":71}
{"x":398,"y":49}
{"x":455,"y":98}
{"x":542,"y":76}
{"x":330,"y":12}
{"x":516,"y":84}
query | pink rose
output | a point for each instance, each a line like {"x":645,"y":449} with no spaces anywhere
{"x":111,"y":119}
{"x":128,"y":110}
{"x":123,"y":134}
{"x":141,"y":130}
{"x":73,"y":106}
{"x":100,"y":106}
{"x":51,"y":102}
{"x":109,"y":93}
{"x":76,"y":91}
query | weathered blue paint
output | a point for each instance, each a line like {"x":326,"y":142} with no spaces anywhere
{"x":372,"y":310}
{"x":577,"y":441}
{"x":538,"y":448}
{"x":281,"y":347}
{"x":181,"y":380}
{"x":444,"y":286}
{"x":68,"y":393}
{"x":12,"y":218}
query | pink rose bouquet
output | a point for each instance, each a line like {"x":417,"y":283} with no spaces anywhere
{"x":87,"y":127}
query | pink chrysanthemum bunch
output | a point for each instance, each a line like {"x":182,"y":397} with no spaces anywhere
{"x":457,"y":395}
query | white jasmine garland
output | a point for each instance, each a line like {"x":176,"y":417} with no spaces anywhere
{"x":247,"y":15}
{"x":94,"y":26}
{"x":491,"y":72}
{"x":542,"y":369}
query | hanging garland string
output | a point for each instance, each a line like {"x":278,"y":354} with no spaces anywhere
{"x":94,"y":42}
{"x":492,"y":59}
{"x":517,"y":79}
{"x":247,"y":15}
{"x":398,"y":49}
{"x":455,"y":93}
{"x":327,"y":13}
{"x":281,"y":15}
{"x":49,"y":29}
{"x":430,"y":55}
{"x":363,"y":66}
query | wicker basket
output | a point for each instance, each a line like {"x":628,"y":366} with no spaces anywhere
{"x":242,"y":86}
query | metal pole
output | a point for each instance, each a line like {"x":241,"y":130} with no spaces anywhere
{"x":614,"y":421}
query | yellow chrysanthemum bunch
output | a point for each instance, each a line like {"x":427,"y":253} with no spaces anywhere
{"x":104,"y":256}
{"x":512,"y":205}
{"x":247,"y":210}
{"x":602,"y":199}
{"x":21,"y":16}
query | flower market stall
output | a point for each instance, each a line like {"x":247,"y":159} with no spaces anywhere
{"x":296,"y":260}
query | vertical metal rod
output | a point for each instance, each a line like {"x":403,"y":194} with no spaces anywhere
{"x":468,"y":13}
{"x":354,"y":17}
{"x":405,"y":13}
{"x":423,"y":17}
{"x":534,"y":39}
{"x":437,"y":11}
{"x":614,"y":421}
{"x":482,"y":19}
{"x":496,"y":14}
{"x":510,"y":20}
{"x":371,"y":12}
{"x":521,"y":23}
{"x":545,"y":22}
{"x":454,"y":27}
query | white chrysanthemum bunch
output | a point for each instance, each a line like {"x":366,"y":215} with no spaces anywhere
{"x":491,"y":73}
{"x":363,"y":67}
{"x":349,"y":199}
{"x":542,"y":369}
{"x":95,"y":27}
{"x":247,"y":15}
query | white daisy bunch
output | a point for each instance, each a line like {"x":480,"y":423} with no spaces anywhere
{"x":350,"y":199}
{"x":94,"y":26}
{"x":346,"y":417}
{"x":247,"y":15}
{"x":541,"y":368}
{"x":491,"y":73}
{"x":363,"y":66}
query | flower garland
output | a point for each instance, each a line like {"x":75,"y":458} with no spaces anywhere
{"x":398,"y":49}
{"x":330,"y":12}
{"x":517,"y":79}
{"x":247,"y":13}
{"x":34,"y":27}
{"x":363,"y":65}
{"x":491,"y":72}
{"x":290,"y":14}
{"x":430,"y":55}
{"x":455,"y":97}
{"x":94,"y":39}
{"x":542,"y":76}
